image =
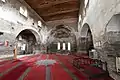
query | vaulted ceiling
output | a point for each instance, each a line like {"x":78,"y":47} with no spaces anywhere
{"x":61,"y":31}
{"x":51,"y":10}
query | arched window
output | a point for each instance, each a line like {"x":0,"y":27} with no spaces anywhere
{"x":86,"y":3}
{"x":69,"y":46}
{"x":58,"y":46}
{"x":23,"y":11}
{"x":64,"y":47}
{"x":40,"y":23}
{"x":80,"y":18}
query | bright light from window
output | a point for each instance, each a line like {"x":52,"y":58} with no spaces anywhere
{"x":86,"y":2}
{"x":118,"y":64}
{"x":39,"y":23}
{"x":23,"y":11}
{"x":3,"y":0}
{"x":69,"y":46}
{"x":79,"y":18}
{"x":20,"y":37}
{"x":64,"y":46}
{"x":58,"y":46}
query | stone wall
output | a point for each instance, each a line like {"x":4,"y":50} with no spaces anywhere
{"x":12,"y":22}
{"x":105,"y":36}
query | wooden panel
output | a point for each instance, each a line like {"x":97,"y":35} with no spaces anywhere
{"x":58,"y":8}
{"x":61,"y":16}
{"x":60,"y":12}
{"x":46,"y":3}
{"x":55,"y":9}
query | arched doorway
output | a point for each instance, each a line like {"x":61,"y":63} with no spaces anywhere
{"x":26,"y":42}
{"x":86,"y":40}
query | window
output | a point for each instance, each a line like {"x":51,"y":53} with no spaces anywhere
{"x":118,"y":64}
{"x":69,"y":46}
{"x":3,"y":0}
{"x":40,"y":23}
{"x":86,"y":3}
{"x":80,"y":18}
{"x":58,"y":46}
{"x":20,"y":37}
{"x":23,"y":11}
{"x":64,"y":46}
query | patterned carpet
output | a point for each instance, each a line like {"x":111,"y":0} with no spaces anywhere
{"x":42,"y":67}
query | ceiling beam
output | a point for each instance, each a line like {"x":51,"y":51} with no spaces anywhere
{"x":53,"y":3}
{"x":60,"y":12}
{"x":55,"y":19}
{"x":61,"y":16}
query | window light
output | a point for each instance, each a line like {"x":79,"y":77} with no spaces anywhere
{"x":39,"y":23}
{"x":79,"y":18}
{"x":86,"y":2}
{"x":23,"y":11}
{"x":58,"y":46}
{"x":64,"y":46}
{"x":3,"y":0}
{"x":118,"y":64}
{"x":69,"y":46}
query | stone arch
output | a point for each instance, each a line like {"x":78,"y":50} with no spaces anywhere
{"x":86,"y":38}
{"x":112,"y":41}
{"x":27,"y":40}
{"x":112,"y":34}
{"x":84,"y":30}
{"x":64,"y":34}
{"x":33,"y":30}
{"x":113,"y":24}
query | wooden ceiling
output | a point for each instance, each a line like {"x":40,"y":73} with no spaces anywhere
{"x":51,"y":10}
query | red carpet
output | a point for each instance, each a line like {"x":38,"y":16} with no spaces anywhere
{"x":10,"y":65}
{"x":57,"y":71}
{"x":7,"y":66}
{"x":38,"y":72}
{"x":17,"y":72}
{"x":71,"y":68}
{"x":3,"y":62}
{"x":80,"y":74}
